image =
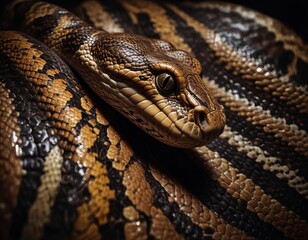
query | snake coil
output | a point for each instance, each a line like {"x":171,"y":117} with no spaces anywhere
{"x":72,"y":167}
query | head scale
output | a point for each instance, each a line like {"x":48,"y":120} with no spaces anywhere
{"x":161,"y":90}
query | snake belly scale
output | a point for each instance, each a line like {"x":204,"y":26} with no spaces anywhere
{"x":72,"y":167}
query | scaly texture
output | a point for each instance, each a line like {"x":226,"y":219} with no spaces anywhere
{"x":117,"y":182}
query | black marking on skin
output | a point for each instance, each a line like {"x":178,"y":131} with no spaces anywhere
{"x":215,"y":70}
{"x":40,"y":27}
{"x":119,"y":15}
{"x":43,"y":27}
{"x":36,"y":139}
{"x":302,"y":73}
{"x":179,"y":220}
{"x":70,"y":196}
{"x":73,"y":191}
{"x":145,"y":26}
{"x":114,"y":228}
{"x":79,"y":36}
{"x":268,"y":142}
{"x":277,"y":189}
{"x":258,"y":43}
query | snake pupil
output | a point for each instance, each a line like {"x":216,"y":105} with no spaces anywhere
{"x":165,"y":83}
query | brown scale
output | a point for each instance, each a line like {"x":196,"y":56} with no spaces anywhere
{"x":134,"y":229}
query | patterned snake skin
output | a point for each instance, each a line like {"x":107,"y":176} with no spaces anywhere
{"x":72,"y":167}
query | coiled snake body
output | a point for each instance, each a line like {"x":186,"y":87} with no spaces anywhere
{"x":71,"y":167}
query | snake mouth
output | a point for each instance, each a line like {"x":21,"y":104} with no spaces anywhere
{"x":211,"y":123}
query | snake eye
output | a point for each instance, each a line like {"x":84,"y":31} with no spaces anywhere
{"x":165,"y":83}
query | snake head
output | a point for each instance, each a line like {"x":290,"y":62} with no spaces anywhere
{"x":160,"y":89}
{"x":149,"y":81}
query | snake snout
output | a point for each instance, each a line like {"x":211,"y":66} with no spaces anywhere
{"x":211,"y":123}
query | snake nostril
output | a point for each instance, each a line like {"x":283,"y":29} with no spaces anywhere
{"x":200,"y":113}
{"x":202,"y":119}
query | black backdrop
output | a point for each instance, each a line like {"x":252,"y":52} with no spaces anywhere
{"x":293,"y":13}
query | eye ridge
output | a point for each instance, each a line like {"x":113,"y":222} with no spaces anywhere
{"x":165,"y":82}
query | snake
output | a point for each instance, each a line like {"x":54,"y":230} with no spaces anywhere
{"x":151,"y":120}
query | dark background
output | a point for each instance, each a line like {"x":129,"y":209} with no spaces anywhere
{"x":293,"y":13}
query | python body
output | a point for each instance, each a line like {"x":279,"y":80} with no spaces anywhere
{"x":73,"y":168}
